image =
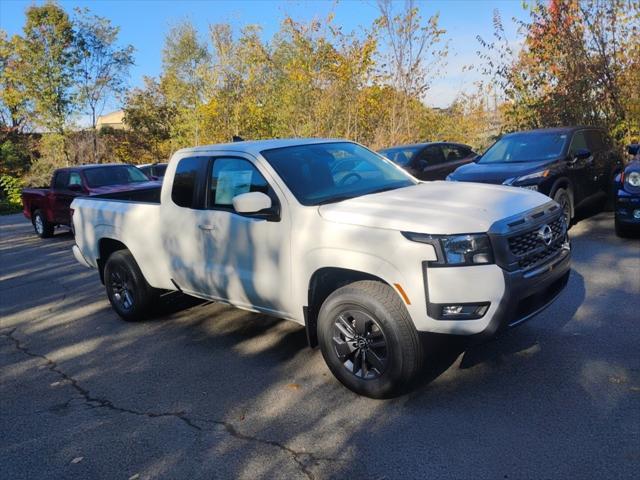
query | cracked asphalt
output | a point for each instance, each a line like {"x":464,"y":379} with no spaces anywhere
{"x":208,"y":391}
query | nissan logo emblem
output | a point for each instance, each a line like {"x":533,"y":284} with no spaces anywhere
{"x":545,"y":235}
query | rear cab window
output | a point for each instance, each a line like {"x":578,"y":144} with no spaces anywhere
{"x":186,"y":190}
{"x":61,"y":181}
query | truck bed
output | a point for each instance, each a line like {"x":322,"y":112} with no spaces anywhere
{"x":132,"y":218}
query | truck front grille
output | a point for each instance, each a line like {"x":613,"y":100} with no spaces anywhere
{"x":525,"y":243}
{"x":529,"y":247}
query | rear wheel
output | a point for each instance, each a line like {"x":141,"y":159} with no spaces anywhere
{"x":43,"y":228}
{"x":565,"y":200}
{"x":128,"y":291}
{"x":368,"y":340}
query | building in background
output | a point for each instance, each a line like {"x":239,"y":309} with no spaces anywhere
{"x":113,"y":120}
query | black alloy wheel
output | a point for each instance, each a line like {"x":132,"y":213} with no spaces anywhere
{"x":564,"y":200}
{"x":120,"y":284}
{"x":128,"y":291}
{"x":360,"y":344}
{"x":368,"y":339}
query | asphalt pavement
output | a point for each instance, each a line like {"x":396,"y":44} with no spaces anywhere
{"x":209,"y":391}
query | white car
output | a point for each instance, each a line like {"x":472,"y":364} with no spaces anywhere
{"x":336,"y":238}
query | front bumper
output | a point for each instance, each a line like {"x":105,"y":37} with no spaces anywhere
{"x":512,"y":296}
{"x":527,"y":294}
{"x":627,"y":207}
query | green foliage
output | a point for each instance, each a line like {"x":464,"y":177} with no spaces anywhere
{"x":48,"y":55}
{"x":10,"y":191}
{"x":14,"y":155}
{"x":579,"y":64}
{"x":53,"y":154}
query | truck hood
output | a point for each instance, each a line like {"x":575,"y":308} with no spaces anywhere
{"x":437,"y":208}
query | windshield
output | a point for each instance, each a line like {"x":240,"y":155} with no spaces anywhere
{"x":330,"y":172}
{"x":526,"y":147}
{"x":114,"y":175}
{"x":400,"y":155}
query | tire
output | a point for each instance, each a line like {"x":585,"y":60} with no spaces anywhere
{"x":371,"y":315}
{"x":129,"y":293}
{"x":41,"y":225}
{"x":565,"y":199}
{"x":622,"y":231}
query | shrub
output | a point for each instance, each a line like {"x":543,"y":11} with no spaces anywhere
{"x":10,"y":191}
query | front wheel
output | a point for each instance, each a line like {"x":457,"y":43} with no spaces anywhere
{"x":565,"y":200}
{"x":128,"y":291}
{"x":368,"y":340}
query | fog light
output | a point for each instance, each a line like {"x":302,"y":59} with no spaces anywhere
{"x":464,"y":312}
{"x":451,"y":309}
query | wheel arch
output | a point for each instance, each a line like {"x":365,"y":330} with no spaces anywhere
{"x":106,"y":247}
{"x":322,"y":283}
{"x":565,"y":182}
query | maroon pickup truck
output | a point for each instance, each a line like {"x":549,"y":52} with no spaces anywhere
{"x":50,"y":207}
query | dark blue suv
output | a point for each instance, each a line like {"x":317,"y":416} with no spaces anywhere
{"x":568,"y":164}
{"x":627,"y":195}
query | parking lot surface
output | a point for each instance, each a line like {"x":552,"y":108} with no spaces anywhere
{"x":209,"y":391}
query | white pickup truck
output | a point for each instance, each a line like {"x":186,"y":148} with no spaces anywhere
{"x":335,"y":237}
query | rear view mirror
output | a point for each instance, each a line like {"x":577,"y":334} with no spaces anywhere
{"x":633,"y":148}
{"x":252,"y":202}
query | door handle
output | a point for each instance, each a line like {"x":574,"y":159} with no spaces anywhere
{"x":206,"y":228}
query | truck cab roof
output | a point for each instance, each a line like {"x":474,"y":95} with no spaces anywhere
{"x":256,"y":146}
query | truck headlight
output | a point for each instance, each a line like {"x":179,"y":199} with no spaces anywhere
{"x":634,"y":179}
{"x":469,"y":249}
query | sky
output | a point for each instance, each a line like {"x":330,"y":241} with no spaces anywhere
{"x":145,"y":23}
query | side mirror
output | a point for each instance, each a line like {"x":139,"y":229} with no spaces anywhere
{"x":581,"y":154}
{"x":252,"y":202}
{"x":75,"y":187}
{"x":633,"y":149}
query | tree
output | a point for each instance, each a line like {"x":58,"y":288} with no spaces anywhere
{"x":186,"y":62}
{"x":47,"y":47}
{"x":14,"y":102}
{"x":416,"y":53}
{"x":103,"y":66}
{"x":150,"y":118}
{"x":578,"y":65}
